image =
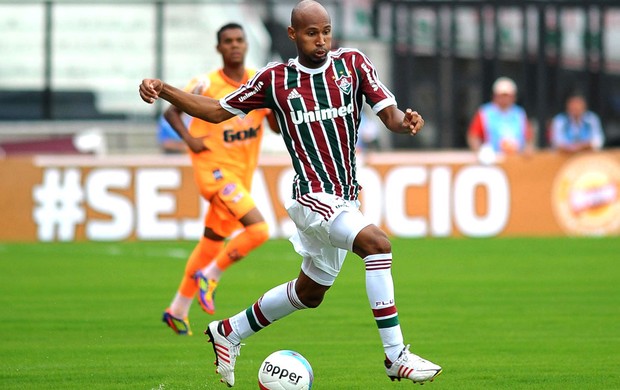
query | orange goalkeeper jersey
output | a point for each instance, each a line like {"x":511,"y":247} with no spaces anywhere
{"x":234,"y":144}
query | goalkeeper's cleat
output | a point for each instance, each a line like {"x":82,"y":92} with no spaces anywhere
{"x":411,"y":366}
{"x":206,"y":294}
{"x":178,"y":325}
{"x":225,"y":353}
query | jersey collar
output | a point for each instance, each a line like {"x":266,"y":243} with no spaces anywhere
{"x":321,"y":69}
{"x":233,"y":82}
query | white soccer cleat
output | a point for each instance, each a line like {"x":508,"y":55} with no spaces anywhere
{"x":411,"y":366}
{"x":225,"y":354}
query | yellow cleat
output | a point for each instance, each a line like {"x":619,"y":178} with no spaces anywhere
{"x":178,"y":325}
{"x":206,"y":295}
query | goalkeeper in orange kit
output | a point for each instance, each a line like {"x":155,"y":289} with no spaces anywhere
{"x":224,"y":157}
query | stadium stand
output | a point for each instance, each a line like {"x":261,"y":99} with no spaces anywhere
{"x":30,"y":105}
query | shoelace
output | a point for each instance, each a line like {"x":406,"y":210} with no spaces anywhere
{"x":404,"y":355}
{"x":236,"y":350}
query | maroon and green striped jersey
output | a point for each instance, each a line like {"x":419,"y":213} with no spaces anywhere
{"x":318,"y":112}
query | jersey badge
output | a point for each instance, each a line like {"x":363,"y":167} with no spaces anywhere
{"x":344,"y":83}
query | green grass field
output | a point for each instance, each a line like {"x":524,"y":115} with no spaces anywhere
{"x":495,"y":313}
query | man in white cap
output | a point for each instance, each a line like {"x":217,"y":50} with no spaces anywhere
{"x":501,"y":125}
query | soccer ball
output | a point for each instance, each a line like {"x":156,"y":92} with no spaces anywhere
{"x":285,"y":370}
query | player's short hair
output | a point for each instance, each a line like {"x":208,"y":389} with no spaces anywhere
{"x":228,"y":26}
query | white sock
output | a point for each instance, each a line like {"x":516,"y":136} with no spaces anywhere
{"x":380,"y":291}
{"x":212,"y":271}
{"x":276,"y":303}
{"x":180,"y":306}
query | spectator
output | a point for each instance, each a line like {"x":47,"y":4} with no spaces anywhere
{"x":168,"y":140}
{"x":576,"y":128}
{"x":368,"y":133}
{"x":501,"y":125}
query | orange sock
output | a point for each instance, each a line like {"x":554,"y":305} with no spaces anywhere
{"x":203,"y":254}
{"x":252,"y":237}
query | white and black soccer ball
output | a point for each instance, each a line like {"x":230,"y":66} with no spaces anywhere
{"x":285,"y":370}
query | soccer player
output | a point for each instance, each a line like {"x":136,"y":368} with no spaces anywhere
{"x":317,"y":98}
{"x":224,"y":157}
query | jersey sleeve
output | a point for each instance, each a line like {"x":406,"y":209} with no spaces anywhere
{"x":377,"y":95}
{"x":249,"y":96}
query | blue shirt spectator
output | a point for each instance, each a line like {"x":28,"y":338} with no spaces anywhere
{"x":168,"y":139}
{"x":576,"y":128}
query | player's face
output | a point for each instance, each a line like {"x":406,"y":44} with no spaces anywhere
{"x":313,"y":40}
{"x":233,"y":46}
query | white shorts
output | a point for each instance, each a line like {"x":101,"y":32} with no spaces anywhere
{"x":326,"y":228}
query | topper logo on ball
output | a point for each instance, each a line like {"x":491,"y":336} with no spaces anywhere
{"x":285,"y":370}
{"x":280,"y":372}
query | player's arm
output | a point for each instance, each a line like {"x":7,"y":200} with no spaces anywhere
{"x":408,"y":122}
{"x":198,"y":106}
{"x":174,"y":116}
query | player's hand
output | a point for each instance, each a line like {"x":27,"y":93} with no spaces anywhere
{"x":196,"y":145}
{"x":413,"y":121}
{"x":150,"y":90}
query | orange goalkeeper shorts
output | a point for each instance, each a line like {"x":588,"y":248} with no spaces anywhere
{"x":229,"y":200}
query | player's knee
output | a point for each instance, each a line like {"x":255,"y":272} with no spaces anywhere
{"x":312,"y":299}
{"x":382,"y":244}
{"x":371,"y":241}
{"x":309,"y":292}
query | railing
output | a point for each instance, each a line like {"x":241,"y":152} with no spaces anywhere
{"x":446,"y":55}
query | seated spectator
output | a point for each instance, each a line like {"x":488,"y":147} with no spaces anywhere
{"x":576,"y":128}
{"x":168,"y":139}
{"x":368,"y":133}
{"x":501,"y":125}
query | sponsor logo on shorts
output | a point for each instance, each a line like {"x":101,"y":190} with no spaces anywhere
{"x":229,"y":189}
{"x":586,"y":196}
